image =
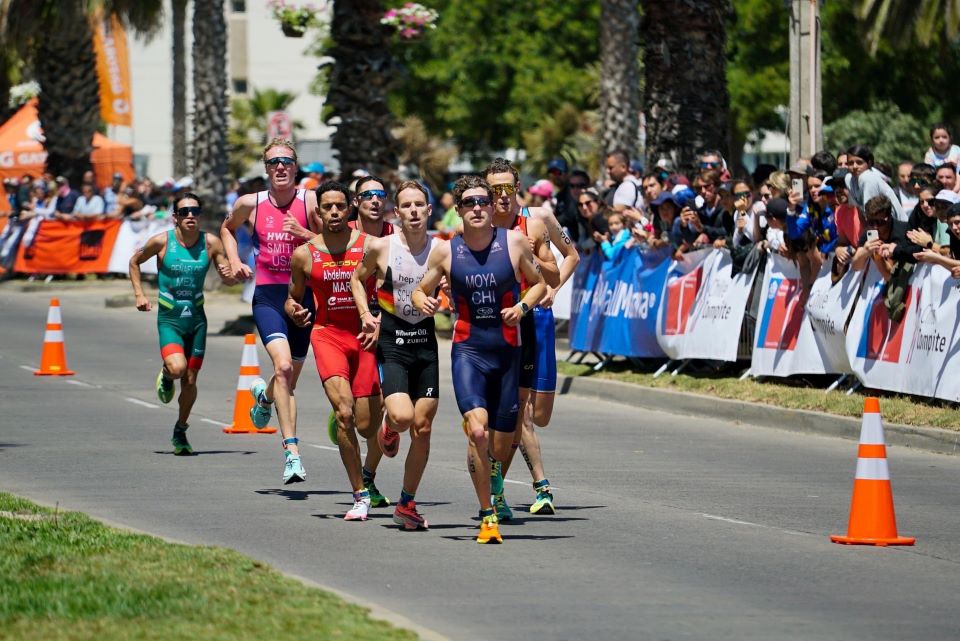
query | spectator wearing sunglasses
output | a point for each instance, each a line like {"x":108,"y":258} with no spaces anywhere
{"x":928,"y":225}
{"x":712,"y":160}
{"x":565,"y":207}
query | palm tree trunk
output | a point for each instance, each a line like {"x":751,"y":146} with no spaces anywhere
{"x":619,"y":108}
{"x":180,"y":167}
{"x":358,"y":88}
{"x":210,"y":103}
{"x":69,"y":105}
{"x":687,"y":103}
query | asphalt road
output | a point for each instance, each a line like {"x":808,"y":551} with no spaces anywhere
{"x":668,"y":527}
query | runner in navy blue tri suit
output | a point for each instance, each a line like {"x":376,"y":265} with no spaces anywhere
{"x":484,"y":267}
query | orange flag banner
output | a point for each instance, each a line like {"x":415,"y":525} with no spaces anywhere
{"x":113,"y":71}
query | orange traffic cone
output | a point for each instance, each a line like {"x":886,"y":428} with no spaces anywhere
{"x":872,"y":521}
{"x":53,"y":361}
{"x":243,"y":401}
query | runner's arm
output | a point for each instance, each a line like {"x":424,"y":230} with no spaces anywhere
{"x":563,"y":243}
{"x":298,"y":285}
{"x":530,"y":270}
{"x":436,"y":270}
{"x":367,"y":268}
{"x":537,"y":229}
{"x":219,"y":259}
{"x":238,"y":215}
{"x":152,"y":247}
{"x":314,"y":222}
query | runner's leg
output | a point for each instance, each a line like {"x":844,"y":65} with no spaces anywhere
{"x":424,"y":412}
{"x":281,"y":386}
{"x":341,"y":399}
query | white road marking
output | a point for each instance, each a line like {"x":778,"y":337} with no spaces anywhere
{"x":213,"y":422}
{"x":28,"y":368}
{"x":80,"y":383}
{"x":714,"y":517}
{"x":137,"y":401}
{"x":323,"y":447}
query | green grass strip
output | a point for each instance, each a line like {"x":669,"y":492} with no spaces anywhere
{"x":791,"y":393}
{"x":66,"y":576}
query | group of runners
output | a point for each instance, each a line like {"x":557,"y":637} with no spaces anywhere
{"x":363,"y":294}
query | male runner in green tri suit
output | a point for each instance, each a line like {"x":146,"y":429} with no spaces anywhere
{"x":183,"y":256}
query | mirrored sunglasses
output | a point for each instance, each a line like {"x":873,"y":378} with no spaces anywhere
{"x":372,"y":193}
{"x":506,"y":189}
{"x":286,"y":161}
{"x":188,"y":211}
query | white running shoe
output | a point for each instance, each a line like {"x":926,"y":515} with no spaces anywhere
{"x":360,"y":509}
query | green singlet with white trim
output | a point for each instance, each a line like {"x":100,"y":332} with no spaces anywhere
{"x":180,"y":317}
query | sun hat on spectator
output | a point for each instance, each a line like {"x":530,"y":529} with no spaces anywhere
{"x":542,"y":188}
{"x":801,"y":167}
{"x":61,"y":180}
{"x":777,"y":208}
{"x":636,"y":166}
{"x":948,"y":195}
{"x":839,"y":178}
{"x":826,"y":187}
{"x":557,"y":164}
{"x":315,"y":168}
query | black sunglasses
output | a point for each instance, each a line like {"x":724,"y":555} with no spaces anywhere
{"x":189,"y":211}
{"x":578,"y":185}
{"x":286,"y":161}
{"x":472,"y":201}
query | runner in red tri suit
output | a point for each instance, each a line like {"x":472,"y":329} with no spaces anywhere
{"x":345,"y":357}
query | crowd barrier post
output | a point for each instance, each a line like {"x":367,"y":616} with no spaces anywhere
{"x":682,"y":367}
{"x":663,"y":368}
{"x":837,"y":383}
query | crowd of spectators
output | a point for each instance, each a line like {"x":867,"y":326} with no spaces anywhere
{"x":843,"y":205}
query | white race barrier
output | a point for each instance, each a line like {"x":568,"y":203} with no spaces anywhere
{"x":131,"y":237}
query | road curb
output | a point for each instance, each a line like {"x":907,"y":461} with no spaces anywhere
{"x":805,"y":421}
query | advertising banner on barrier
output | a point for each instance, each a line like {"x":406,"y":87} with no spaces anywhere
{"x":703,"y":307}
{"x":829,"y":307}
{"x":69,"y":248}
{"x":917,"y":354}
{"x":131,"y":237}
{"x":626,"y":299}
{"x":584,"y":280}
{"x":784,"y":343}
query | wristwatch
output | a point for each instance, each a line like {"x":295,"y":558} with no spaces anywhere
{"x":930,"y":245}
{"x":524,"y":308}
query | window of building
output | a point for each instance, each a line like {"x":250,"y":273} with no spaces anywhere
{"x":239,"y":85}
{"x":238,"y":6}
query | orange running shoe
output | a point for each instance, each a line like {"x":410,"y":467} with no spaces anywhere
{"x":388,"y":440}
{"x":489,"y":531}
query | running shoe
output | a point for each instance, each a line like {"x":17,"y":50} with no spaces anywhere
{"x":376,"y":498}
{"x":360,"y":509}
{"x":259,"y":414}
{"x":181,"y":447}
{"x":164,"y":388}
{"x":409,"y":518}
{"x":504,"y":513}
{"x":293,"y":471}
{"x":544,"y":503}
{"x":489,"y":531}
{"x":332,"y":428}
{"x":388,"y":440}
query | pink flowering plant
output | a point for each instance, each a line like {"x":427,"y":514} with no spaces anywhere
{"x":411,"y":20}
{"x":297,"y":17}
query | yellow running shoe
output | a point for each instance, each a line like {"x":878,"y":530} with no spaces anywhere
{"x":489,"y":530}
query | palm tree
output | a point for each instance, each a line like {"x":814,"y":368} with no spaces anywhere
{"x":210,"y":103}
{"x":248,"y":125}
{"x":357,"y":97}
{"x":686,"y":99}
{"x":180,"y":165}
{"x":56,"y":37}
{"x":901,"y":20}
{"x":619,"y":107}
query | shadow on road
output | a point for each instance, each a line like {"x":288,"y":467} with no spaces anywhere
{"x":298,"y":495}
{"x":205,"y":452}
{"x":514,"y":537}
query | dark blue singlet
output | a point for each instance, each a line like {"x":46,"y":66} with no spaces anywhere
{"x":486,"y":352}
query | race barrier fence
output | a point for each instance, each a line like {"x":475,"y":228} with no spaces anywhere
{"x":646,"y":305}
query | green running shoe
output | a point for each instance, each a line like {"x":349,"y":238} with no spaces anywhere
{"x":376,"y":499}
{"x":543,"y":504}
{"x":504,"y":513}
{"x":259,"y":414}
{"x":332,"y":428}
{"x":181,"y":447}
{"x":164,"y":388}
